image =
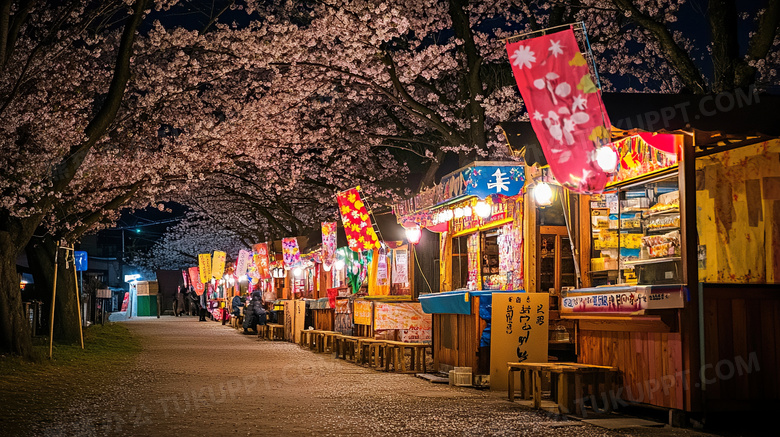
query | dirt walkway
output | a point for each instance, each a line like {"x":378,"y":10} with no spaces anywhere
{"x":201,"y":378}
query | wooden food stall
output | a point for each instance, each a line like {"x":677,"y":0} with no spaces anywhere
{"x":478,"y":213}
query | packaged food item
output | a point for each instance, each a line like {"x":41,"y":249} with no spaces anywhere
{"x":663,"y":221}
{"x":662,"y":245}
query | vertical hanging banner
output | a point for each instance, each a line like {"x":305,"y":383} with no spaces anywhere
{"x":328,"y":244}
{"x":400,"y":271}
{"x":290,"y":252}
{"x":564,"y":106}
{"x":261,"y":260}
{"x":218,"y":264}
{"x":204,"y":267}
{"x":357,"y":223}
{"x":184,"y":275}
{"x":242,"y":264}
{"x":195,"y":280}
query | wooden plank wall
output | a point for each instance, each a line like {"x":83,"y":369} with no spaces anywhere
{"x":650,"y":363}
{"x":742,"y":346}
{"x":322,"y":319}
{"x":465,"y":330}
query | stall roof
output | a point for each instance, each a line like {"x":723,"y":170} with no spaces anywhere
{"x":724,"y":119}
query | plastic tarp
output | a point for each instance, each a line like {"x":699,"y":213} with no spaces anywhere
{"x":456,"y":302}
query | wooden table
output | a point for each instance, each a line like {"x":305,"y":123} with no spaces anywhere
{"x":397,"y":350}
{"x":566,"y":386}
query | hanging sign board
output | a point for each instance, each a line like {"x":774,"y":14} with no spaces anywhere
{"x":400,"y":269}
{"x":518,"y":332}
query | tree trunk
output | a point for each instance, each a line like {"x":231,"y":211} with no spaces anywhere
{"x":15,"y":335}
{"x":40,"y":255}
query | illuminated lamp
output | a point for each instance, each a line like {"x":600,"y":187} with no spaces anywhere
{"x":543,"y":194}
{"x":482,"y":209}
{"x":458,"y":212}
{"x":297,"y":271}
{"x":413,"y":234}
{"x":339,"y":264}
{"x":467,"y":211}
{"x":606,"y":158}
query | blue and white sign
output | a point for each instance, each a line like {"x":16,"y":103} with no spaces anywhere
{"x":81,"y":260}
{"x":480,"y":179}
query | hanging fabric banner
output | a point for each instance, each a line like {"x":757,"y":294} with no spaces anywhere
{"x":195,"y":280}
{"x":184,"y":275}
{"x":218,"y":264}
{"x":400,"y":271}
{"x":204,"y":267}
{"x":564,"y":106}
{"x":242,"y":264}
{"x":290,"y":252}
{"x":328,"y":244}
{"x":357,"y":223}
{"x":261,"y":260}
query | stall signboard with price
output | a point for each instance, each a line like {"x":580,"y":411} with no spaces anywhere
{"x":518,"y":332}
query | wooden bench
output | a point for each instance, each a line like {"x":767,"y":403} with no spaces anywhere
{"x":345,"y":346}
{"x":273,"y":331}
{"x":396,"y":351}
{"x":316,"y":339}
{"x":567,"y":381}
{"x":369,"y":351}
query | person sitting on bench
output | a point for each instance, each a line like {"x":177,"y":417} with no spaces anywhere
{"x":255,"y":314}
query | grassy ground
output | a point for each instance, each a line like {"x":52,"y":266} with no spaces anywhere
{"x":36,"y":392}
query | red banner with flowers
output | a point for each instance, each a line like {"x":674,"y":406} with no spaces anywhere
{"x":260,"y":257}
{"x":357,"y":223}
{"x":328,"y":244}
{"x":565,"y":107}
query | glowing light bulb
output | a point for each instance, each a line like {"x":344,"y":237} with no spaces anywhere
{"x":458,"y":212}
{"x":606,"y":158}
{"x":339,"y":264}
{"x":482,"y":209}
{"x":543,"y":194}
{"x":413,"y":234}
{"x":467,"y":211}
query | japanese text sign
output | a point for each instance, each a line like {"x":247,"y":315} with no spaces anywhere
{"x":518,"y":332}
{"x":218,"y":264}
{"x":204,"y":267}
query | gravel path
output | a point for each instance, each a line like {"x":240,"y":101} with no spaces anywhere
{"x":202,"y":378}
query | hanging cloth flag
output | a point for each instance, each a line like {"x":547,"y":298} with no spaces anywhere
{"x":564,"y":106}
{"x":261,"y":260}
{"x":357,"y":223}
{"x":242,"y":264}
{"x":328,"y":244}
{"x":195,"y":280}
{"x":204,"y":267}
{"x":218,"y":264}
{"x":290,"y":252}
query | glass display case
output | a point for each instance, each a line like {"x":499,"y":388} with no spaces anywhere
{"x":636,"y":234}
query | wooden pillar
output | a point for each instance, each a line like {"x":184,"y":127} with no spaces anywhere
{"x":445,"y":262}
{"x":689,"y":315}
{"x":530,"y":234}
{"x":585,"y":239}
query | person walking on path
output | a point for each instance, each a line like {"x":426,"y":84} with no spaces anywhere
{"x":178,"y":302}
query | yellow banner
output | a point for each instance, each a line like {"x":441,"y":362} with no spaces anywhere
{"x":518,"y":332}
{"x":362,"y":312}
{"x":218,"y":266}
{"x":204,"y":267}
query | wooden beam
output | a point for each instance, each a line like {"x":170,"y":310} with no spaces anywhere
{"x":689,"y":315}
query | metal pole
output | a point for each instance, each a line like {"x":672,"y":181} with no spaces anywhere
{"x":53,"y":297}
{"x":78,"y":296}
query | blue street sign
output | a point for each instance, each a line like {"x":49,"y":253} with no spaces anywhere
{"x":81,"y":260}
